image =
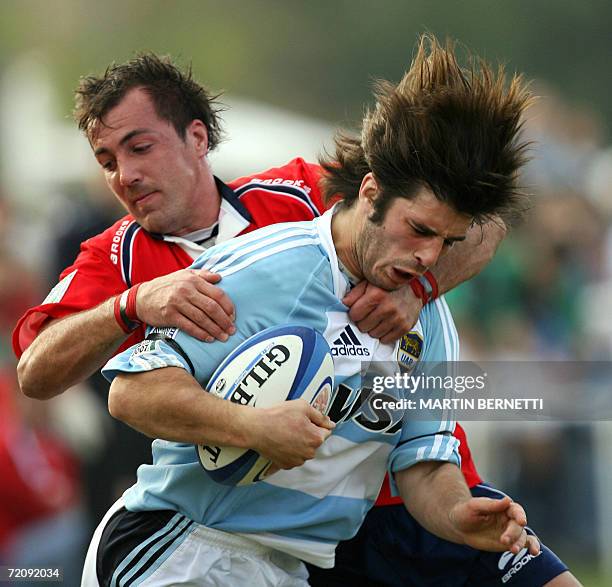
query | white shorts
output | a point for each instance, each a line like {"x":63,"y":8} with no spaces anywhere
{"x":177,"y":551}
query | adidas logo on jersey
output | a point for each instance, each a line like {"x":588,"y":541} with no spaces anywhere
{"x":348,"y":345}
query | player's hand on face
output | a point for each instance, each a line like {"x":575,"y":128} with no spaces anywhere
{"x":189,"y":300}
{"x":494,"y":525}
{"x":290,"y":433}
{"x":386,"y":315}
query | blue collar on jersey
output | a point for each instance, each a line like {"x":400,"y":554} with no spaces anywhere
{"x":227,"y":194}
{"x":230,"y":196}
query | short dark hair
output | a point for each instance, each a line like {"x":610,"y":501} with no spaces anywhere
{"x":452,"y":130}
{"x":176,"y":96}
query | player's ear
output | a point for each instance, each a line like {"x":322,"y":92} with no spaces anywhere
{"x":197,"y":133}
{"x":368,"y":191}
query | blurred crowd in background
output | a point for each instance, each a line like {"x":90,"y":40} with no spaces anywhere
{"x":540,"y":298}
{"x":546,"y":296}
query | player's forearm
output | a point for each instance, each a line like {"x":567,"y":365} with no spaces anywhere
{"x":68,"y":351}
{"x":170,"y":404}
{"x":430,"y":490}
{"x":468,"y":258}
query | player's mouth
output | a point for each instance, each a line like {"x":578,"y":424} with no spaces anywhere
{"x":143,"y":198}
{"x":401,"y":275}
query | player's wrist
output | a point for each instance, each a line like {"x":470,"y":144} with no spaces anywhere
{"x":456,"y":533}
{"x":124,"y":309}
{"x":418,"y":291}
{"x":247,"y":427}
{"x":258,"y":426}
{"x":425,"y":287}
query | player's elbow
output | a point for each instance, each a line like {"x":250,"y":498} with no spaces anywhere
{"x":31,"y":383}
{"x":120,"y":405}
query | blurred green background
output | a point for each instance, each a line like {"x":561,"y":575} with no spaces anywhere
{"x":317,"y":56}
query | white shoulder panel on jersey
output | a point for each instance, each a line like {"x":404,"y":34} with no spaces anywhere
{"x":60,"y":289}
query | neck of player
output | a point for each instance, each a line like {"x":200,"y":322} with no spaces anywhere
{"x":346,"y":227}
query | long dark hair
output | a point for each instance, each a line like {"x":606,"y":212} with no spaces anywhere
{"x":453,"y":130}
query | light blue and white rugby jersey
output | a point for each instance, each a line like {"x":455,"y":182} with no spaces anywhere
{"x":284,"y":274}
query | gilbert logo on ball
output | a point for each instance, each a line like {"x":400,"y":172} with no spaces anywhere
{"x":278,"y":364}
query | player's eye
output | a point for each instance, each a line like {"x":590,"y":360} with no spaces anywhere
{"x":448,"y":243}
{"x":141,"y":148}
{"x":108,"y":165}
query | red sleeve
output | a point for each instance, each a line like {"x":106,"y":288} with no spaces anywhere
{"x":288,"y":193}
{"x":90,"y":280}
{"x":312,"y":176}
{"x":468,"y":468}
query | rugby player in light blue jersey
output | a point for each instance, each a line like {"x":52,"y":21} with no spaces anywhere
{"x":437,"y":165}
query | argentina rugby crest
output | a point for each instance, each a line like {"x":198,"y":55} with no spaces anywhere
{"x":409,"y":350}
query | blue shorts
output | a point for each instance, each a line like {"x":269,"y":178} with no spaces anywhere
{"x":391,"y":549}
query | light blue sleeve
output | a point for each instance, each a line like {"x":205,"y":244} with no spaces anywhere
{"x":430,"y":440}
{"x":145,"y":356}
{"x":264,"y":290}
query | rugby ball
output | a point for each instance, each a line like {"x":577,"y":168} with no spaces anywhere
{"x":278,"y":364}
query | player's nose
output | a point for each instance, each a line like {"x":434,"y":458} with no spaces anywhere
{"x":129,"y":174}
{"x":429,"y":252}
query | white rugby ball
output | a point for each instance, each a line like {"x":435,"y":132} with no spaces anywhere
{"x":278,"y":364}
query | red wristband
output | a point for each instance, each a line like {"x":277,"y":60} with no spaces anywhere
{"x":434,"y":285}
{"x":418,"y":289}
{"x":130,"y":307}
{"x":118,"y":317}
{"x":125,"y":310}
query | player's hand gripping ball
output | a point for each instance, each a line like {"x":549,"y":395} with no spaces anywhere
{"x":279,"y":364}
